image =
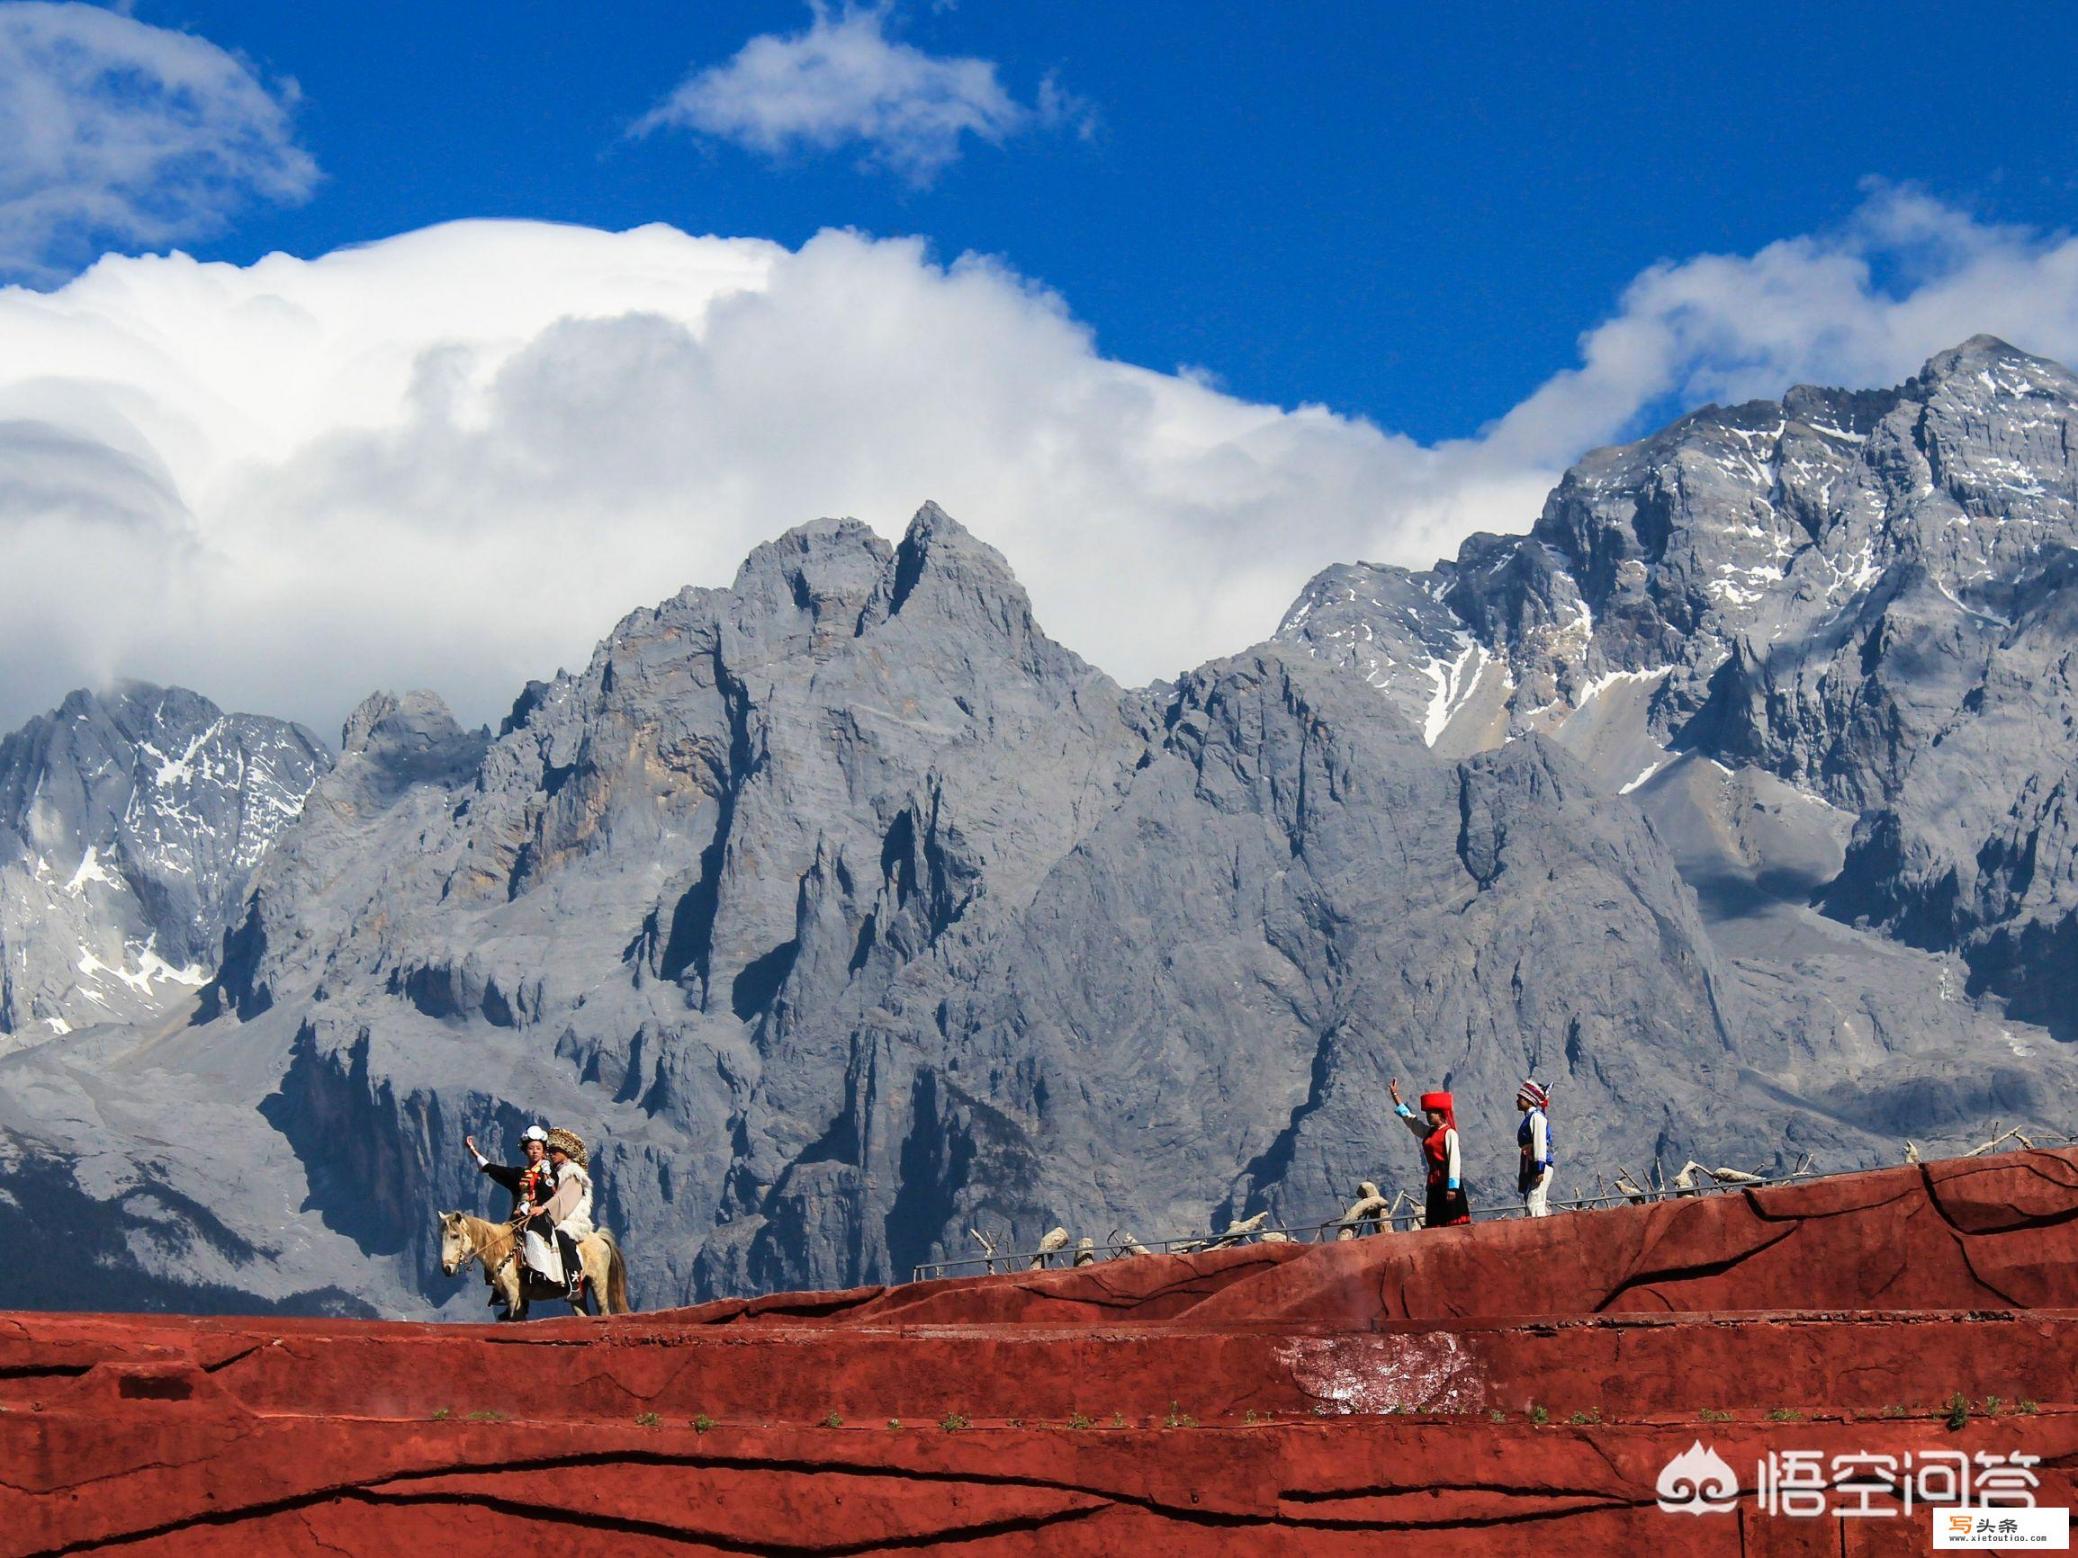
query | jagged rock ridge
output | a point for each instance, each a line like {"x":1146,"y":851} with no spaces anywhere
{"x":846,"y":911}
{"x":873,"y":912}
{"x":1865,"y":594}
{"x":130,"y":826}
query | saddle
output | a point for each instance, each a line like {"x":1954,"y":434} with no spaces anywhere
{"x":532,"y":1283}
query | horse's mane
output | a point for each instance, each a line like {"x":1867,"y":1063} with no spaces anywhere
{"x":481,"y":1230}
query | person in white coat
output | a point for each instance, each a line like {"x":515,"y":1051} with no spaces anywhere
{"x":569,"y":1209}
{"x":1533,"y":1142}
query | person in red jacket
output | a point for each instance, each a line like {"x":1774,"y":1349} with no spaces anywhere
{"x":1437,"y":1128}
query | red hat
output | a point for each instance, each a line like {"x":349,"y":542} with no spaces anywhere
{"x":1440,"y":1101}
{"x":1533,"y":1095}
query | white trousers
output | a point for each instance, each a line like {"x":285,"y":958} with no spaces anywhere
{"x":543,"y":1256}
{"x":1537,"y":1199}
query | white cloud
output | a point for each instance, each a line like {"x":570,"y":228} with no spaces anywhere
{"x":118,"y":132}
{"x":843,"y":82}
{"x":1807,"y":310}
{"x":455,"y":458}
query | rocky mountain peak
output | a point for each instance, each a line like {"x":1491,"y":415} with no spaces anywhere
{"x":1839,"y":414}
{"x":383,"y":721}
{"x":814,"y":580}
{"x":844,"y":911}
{"x":131,"y":821}
{"x":945,"y":582}
{"x":937,"y":550}
{"x":1981,"y":352}
{"x":390,"y":744}
{"x":1846,"y":591}
{"x":1767,"y":520}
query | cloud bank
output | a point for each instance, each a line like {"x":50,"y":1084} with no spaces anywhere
{"x":843,"y":82}
{"x":115,"y":132}
{"x":455,"y":458}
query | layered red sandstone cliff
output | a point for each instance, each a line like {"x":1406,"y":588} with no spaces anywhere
{"x":1481,"y":1389}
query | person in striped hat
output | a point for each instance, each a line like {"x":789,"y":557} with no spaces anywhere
{"x":1533,"y":1140}
{"x":1446,"y":1204}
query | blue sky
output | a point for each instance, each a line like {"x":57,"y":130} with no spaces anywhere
{"x":1405,"y":212}
{"x":1175,"y":305}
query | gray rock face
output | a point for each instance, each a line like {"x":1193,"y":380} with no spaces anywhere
{"x":846,"y":911}
{"x":843,"y":911}
{"x":854,"y":912}
{"x":130,"y":827}
{"x":1291,"y":904}
{"x":1867,"y":594}
{"x":1397,"y":629}
{"x":1972,"y":843}
{"x":678,"y":879}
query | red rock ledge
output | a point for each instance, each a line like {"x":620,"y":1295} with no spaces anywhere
{"x":1502,"y":1388}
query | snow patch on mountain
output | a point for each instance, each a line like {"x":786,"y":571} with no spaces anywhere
{"x":167,"y":804}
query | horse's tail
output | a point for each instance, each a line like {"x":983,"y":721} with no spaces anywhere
{"x":616,"y":1278}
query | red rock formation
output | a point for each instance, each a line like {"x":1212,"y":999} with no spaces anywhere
{"x":1495,"y":1386}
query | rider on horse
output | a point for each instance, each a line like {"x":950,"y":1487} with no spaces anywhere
{"x":551,"y":1198}
{"x":569,"y":1208}
{"x":528,"y":1181}
{"x":531,"y":1182}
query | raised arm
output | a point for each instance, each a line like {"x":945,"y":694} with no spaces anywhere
{"x":1412,"y":1121}
{"x":508,"y":1177}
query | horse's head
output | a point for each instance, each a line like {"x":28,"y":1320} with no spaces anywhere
{"x":454,"y":1242}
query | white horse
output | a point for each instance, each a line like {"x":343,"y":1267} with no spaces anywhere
{"x":495,"y":1246}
